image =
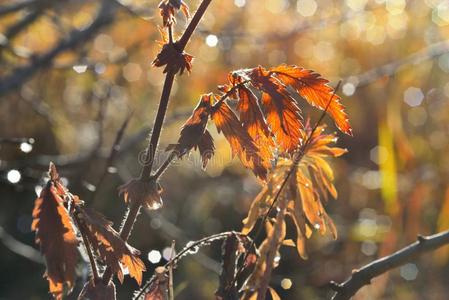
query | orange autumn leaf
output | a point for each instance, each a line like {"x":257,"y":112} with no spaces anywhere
{"x":315,"y":90}
{"x":240,"y":141}
{"x":282,"y":113}
{"x":194,"y":133}
{"x":254,"y":123}
{"x":56,"y":238}
{"x":108,"y":244}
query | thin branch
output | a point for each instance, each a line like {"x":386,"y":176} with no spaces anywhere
{"x":191,"y":248}
{"x":16,"y":140}
{"x":88,"y":247}
{"x":364,"y":275}
{"x":157,"y":128}
{"x":22,"y":24}
{"x":182,"y":43}
{"x":171,"y":294}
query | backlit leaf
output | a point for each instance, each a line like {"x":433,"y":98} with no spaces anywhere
{"x":315,"y":89}
{"x":57,"y":239}
{"x":282,"y":113}
{"x":254,"y":123}
{"x":240,"y":141}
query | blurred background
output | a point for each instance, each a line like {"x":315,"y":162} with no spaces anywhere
{"x":71,"y":72}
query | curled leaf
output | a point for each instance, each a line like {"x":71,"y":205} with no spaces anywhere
{"x":174,"y":60}
{"x":194,"y":133}
{"x":56,"y":238}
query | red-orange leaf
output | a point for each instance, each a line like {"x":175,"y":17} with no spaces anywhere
{"x":254,"y":123}
{"x":313,"y":88}
{"x":109,"y":245}
{"x":283,"y":115}
{"x":57,"y":239}
{"x":241,"y":142}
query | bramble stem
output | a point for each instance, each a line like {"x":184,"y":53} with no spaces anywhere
{"x":93,"y":264}
{"x":182,"y":43}
{"x":150,"y":153}
{"x":157,"y":128}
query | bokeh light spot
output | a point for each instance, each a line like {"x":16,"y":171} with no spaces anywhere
{"x":240,"y":3}
{"x":306,"y":8}
{"x":211,"y":40}
{"x":154,"y":256}
{"x":286,"y":283}
{"x":413,"y":96}
{"x":409,"y":271}
{"x":13,"y":176}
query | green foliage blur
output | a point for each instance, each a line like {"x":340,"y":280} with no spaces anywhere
{"x":391,"y":55}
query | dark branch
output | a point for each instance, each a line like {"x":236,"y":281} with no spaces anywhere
{"x":364,"y":275}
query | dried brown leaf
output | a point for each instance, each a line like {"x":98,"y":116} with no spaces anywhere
{"x":194,"y":133}
{"x":56,"y":238}
{"x":173,"y":59}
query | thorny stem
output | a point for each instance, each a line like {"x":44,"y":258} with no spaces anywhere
{"x":157,"y":128}
{"x":93,"y":264}
{"x":170,"y":273}
{"x":300,"y":154}
{"x":165,"y":165}
{"x":182,"y":43}
{"x":170,"y":34}
{"x":193,"y":245}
